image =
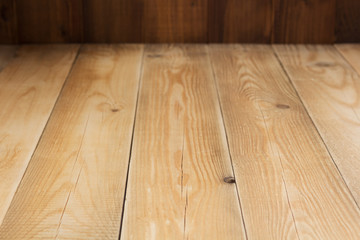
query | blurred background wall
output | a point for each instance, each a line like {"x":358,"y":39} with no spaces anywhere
{"x":180,"y":21}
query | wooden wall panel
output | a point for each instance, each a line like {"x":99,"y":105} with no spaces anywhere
{"x":179,"y":21}
{"x":348,"y":21}
{"x":113,"y":20}
{"x":175,"y":21}
{"x":8,"y":31}
{"x":240,"y":21}
{"x":44,"y":21}
{"x":304,"y":21}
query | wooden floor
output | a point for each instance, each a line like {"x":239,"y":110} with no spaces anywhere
{"x":180,"y":142}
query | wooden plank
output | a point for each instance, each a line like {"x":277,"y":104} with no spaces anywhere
{"x":43,"y":21}
{"x":113,"y":20}
{"x":30,"y":85}
{"x":351,"y":53}
{"x":347,"y":21}
{"x":179,"y":160}
{"x":307,"y":21}
{"x":277,"y":153}
{"x":240,"y":21}
{"x":74,"y":185}
{"x":330,"y":90}
{"x":175,"y":21}
{"x":8,"y":24}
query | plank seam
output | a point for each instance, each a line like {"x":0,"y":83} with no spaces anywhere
{"x":317,"y":130}
{"x":132,"y":141}
{"x":227,"y":140}
{"x":46,"y":124}
{"x":348,"y":62}
{"x":72,"y":191}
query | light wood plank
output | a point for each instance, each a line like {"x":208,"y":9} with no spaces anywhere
{"x":351,"y":53}
{"x":179,"y":160}
{"x":30,"y":85}
{"x":243,"y":80}
{"x":74,"y":185}
{"x":278,"y":155}
{"x":330,"y":90}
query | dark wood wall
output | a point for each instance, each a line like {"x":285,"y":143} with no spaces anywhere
{"x":198,"y":21}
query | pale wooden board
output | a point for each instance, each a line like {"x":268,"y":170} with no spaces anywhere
{"x":29,"y":87}
{"x":179,"y":156}
{"x":243,"y":80}
{"x":330,"y":90}
{"x":74,"y":185}
{"x":351,"y":53}
{"x":277,"y":151}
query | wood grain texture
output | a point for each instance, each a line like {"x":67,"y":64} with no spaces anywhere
{"x":240,"y":21}
{"x":176,"y":187}
{"x":351,"y":53}
{"x":330,"y":90}
{"x":30,"y":85}
{"x":277,"y":153}
{"x":113,"y":20}
{"x":304,"y":21}
{"x":175,"y":21}
{"x":74,"y":185}
{"x":186,"y":21}
{"x":8,"y":22}
{"x":43,"y":21}
{"x":347,"y":21}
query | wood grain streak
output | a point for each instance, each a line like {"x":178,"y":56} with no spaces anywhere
{"x":43,"y":21}
{"x":347,"y":21}
{"x":74,"y":185}
{"x":304,"y":21}
{"x":232,"y":21}
{"x":287,"y":177}
{"x":8,"y":22}
{"x":175,"y":21}
{"x":30,"y":85}
{"x":179,"y":160}
{"x":113,"y":20}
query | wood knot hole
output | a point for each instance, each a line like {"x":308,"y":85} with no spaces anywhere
{"x":114,"y":110}
{"x":229,"y":180}
{"x":324,"y":64}
{"x":282,"y":106}
{"x":154,"y":55}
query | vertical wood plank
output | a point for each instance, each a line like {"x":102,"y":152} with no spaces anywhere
{"x":74,"y":185}
{"x":113,"y":20}
{"x":304,"y":21}
{"x":175,"y":21}
{"x":232,"y":21}
{"x":30,"y":85}
{"x":176,"y":187}
{"x":8,"y":22}
{"x":43,"y":21}
{"x":347,"y":21}
{"x":277,"y":153}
